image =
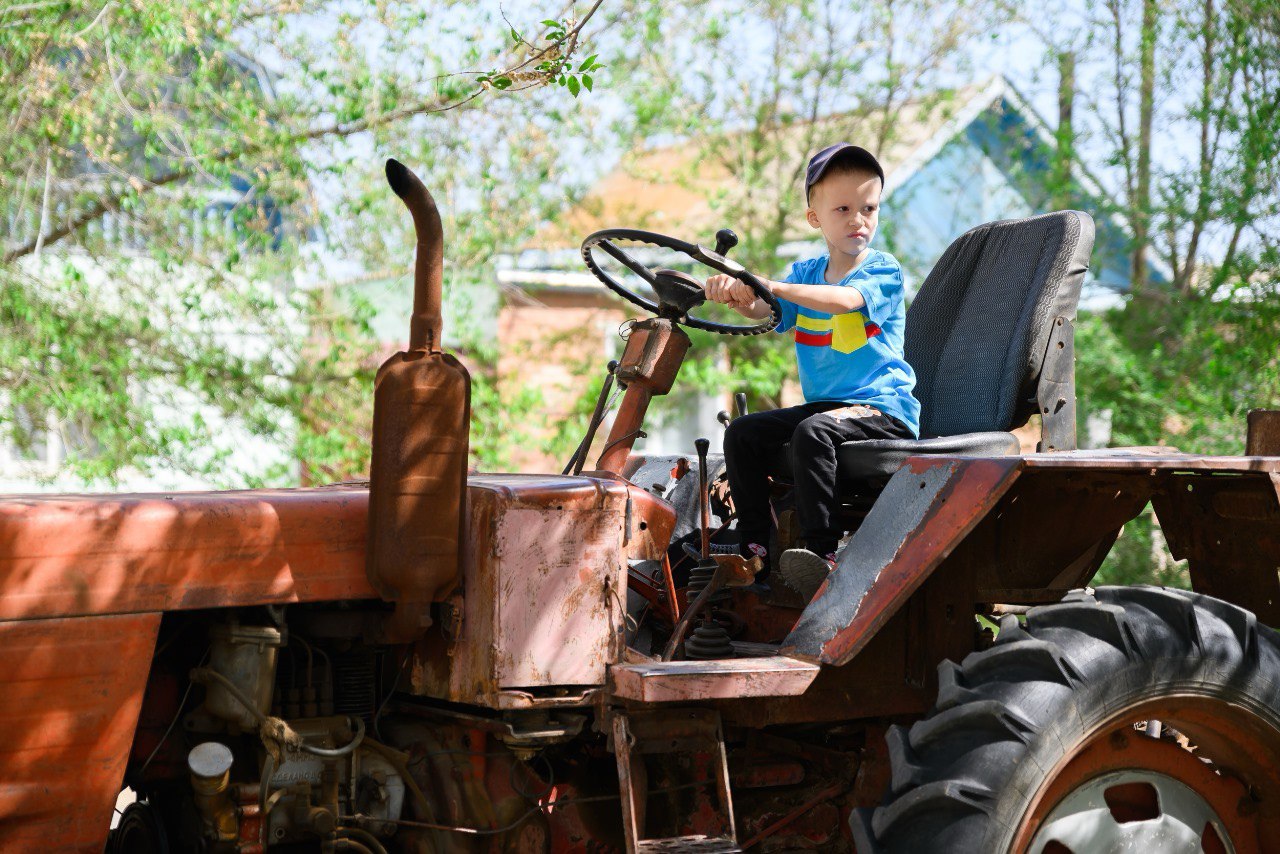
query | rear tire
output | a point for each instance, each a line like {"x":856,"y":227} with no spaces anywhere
{"x":1025,"y":732}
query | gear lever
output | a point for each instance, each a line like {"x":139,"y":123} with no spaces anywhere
{"x":704,"y":501}
{"x":725,"y":240}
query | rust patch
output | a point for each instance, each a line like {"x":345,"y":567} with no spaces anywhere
{"x":545,"y":589}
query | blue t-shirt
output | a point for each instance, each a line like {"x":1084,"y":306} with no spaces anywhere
{"x":855,"y":357}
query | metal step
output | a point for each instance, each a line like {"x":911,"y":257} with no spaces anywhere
{"x":637,"y":733}
{"x":688,"y":845}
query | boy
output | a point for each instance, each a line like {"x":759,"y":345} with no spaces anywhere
{"x":846,"y":310}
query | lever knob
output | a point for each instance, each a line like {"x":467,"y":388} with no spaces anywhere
{"x":725,"y":240}
{"x":723,"y":417}
{"x":702,"y":445}
{"x":740,"y":403}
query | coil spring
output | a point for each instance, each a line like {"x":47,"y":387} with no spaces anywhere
{"x":710,"y":638}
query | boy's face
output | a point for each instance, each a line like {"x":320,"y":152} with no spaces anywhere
{"x":846,"y":207}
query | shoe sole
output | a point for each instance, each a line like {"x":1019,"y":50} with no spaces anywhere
{"x":803,"y":571}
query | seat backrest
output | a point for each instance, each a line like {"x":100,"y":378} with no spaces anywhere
{"x":977,"y":330}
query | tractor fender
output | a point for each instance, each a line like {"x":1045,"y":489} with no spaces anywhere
{"x":929,"y":506}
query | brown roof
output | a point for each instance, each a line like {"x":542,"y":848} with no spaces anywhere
{"x":678,"y":189}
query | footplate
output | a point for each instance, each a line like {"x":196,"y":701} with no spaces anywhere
{"x":699,"y":681}
{"x":678,"y":731}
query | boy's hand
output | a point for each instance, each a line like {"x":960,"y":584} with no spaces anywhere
{"x":729,"y":291}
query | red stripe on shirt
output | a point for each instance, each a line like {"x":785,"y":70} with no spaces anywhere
{"x":813,"y":339}
{"x":872,"y":330}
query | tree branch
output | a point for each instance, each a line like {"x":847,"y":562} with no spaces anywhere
{"x":432,"y":105}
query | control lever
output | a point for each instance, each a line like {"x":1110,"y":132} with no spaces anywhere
{"x":725,"y":240}
{"x":579,"y":458}
{"x":704,"y":500}
{"x":740,"y":403}
{"x":723,"y":417}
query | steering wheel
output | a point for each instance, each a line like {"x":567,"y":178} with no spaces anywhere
{"x":678,"y":292}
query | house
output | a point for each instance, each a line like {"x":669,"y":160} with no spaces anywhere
{"x":955,"y":161}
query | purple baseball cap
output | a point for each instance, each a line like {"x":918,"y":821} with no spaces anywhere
{"x":856,"y":154}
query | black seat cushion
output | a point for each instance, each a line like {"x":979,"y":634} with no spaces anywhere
{"x":880,"y":458}
{"x":883,"y":457}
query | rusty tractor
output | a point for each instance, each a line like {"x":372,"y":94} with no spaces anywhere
{"x":445,"y":661}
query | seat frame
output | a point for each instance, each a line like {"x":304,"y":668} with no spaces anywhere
{"x":1056,"y":389}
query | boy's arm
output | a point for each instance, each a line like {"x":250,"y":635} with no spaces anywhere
{"x":832,"y":299}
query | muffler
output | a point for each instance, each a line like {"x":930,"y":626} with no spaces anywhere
{"x":421,"y":426}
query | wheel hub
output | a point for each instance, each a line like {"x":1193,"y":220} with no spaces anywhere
{"x":1125,"y":790}
{"x":1134,"y":810}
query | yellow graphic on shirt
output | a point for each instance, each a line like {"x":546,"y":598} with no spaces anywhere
{"x":843,"y":333}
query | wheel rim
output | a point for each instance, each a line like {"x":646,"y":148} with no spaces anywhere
{"x":1132,"y":811}
{"x":1121,"y":783}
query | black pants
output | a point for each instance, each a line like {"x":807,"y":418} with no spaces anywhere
{"x":753,"y":442}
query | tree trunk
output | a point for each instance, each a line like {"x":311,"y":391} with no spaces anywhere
{"x":1146,"y":107}
{"x":1060,"y":190}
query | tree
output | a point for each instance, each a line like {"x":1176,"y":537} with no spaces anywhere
{"x":1193,"y":348}
{"x":164,"y":166}
{"x":754,"y":89}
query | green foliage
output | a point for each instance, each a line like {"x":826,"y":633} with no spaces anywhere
{"x":1141,"y":556}
{"x":1182,"y":372}
{"x":555,"y":65}
{"x":165,"y":170}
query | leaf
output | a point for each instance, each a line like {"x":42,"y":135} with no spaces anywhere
{"x":586,"y":81}
{"x":574,"y":86}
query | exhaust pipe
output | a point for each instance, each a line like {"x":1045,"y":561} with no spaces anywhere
{"x":421,"y":432}
{"x":427,"y":322}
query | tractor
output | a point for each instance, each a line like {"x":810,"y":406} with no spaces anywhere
{"x":439,"y":660}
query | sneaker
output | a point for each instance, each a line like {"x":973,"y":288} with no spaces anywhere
{"x":804,"y":571}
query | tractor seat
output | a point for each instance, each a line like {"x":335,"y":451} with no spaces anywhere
{"x":880,"y":458}
{"x":989,"y":336}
